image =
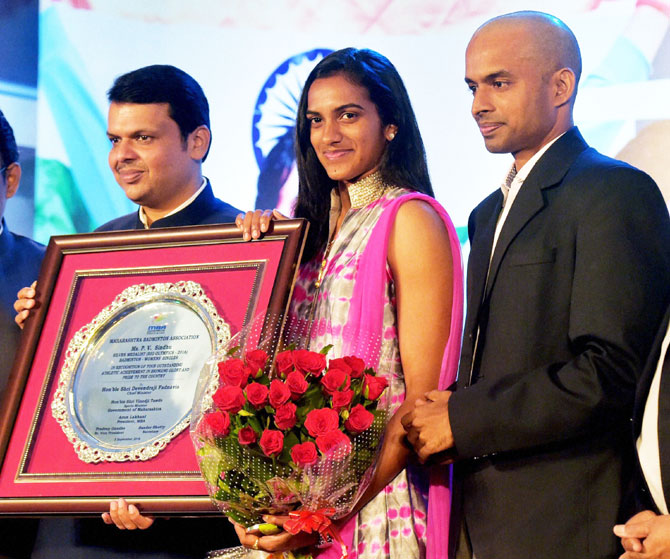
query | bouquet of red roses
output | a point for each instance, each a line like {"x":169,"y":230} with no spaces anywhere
{"x":295,"y":434}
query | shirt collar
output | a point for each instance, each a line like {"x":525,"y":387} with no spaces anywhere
{"x":519,"y":176}
{"x":143,"y":216}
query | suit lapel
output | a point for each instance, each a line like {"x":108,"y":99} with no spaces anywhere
{"x":641,"y":396}
{"x":529,"y":201}
{"x":482,"y":225}
{"x":547,"y":172}
{"x":480,"y":254}
{"x":647,"y":376}
{"x":663,"y":427}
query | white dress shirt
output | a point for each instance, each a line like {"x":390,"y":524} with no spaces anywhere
{"x":647,"y":442}
{"x":510,"y":192}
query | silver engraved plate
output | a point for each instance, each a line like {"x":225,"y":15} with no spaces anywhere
{"x":127,"y":384}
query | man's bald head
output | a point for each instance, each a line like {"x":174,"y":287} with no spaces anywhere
{"x":548,"y":40}
{"x":522,"y":69}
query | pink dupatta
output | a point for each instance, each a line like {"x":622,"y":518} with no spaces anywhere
{"x":366,"y":315}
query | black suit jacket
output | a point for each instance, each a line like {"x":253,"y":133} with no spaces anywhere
{"x":20,"y":260}
{"x":577,"y":286}
{"x":206,"y":209}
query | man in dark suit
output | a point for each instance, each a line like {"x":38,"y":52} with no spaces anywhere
{"x":158,"y":127}
{"x":20,"y":257}
{"x":647,"y":534}
{"x":568,"y":274}
{"x":20,"y":260}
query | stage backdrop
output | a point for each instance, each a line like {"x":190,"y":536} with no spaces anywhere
{"x":252,"y":56}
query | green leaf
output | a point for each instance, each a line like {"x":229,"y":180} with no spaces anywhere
{"x":232,"y":351}
{"x":326,"y":349}
{"x":255,"y":424}
{"x":290,"y":440}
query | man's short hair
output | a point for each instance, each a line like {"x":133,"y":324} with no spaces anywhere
{"x":9,"y":153}
{"x":162,"y":83}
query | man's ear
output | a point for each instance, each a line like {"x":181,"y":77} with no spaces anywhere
{"x":564,"y":82}
{"x":12,"y":178}
{"x":198,"y":142}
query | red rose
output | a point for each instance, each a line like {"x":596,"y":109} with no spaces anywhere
{"x":321,"y":421}
{"x":279,"y":393}
{"x":257,"y":394}
{"x":342,"y":399}
{"x":215,"y":424}
{"x":284,"y":362}
{"x":334,"y":380}
{"x":359,"y":419}
{"x":334,"y":442}
{"x":374,"y":386}
{"x":272,"y":442}
{"x":304,"y":454}
{"x":233,"y":373}
{"x":309,"y":362}
{"x":256,"y":361}
{"x":340,"y":364}
{"x":229,"y":398}
{"x":285,"y":416}
{"x":296,"y":384}
{"x":356,"y":364}
{"x":247,"y":436}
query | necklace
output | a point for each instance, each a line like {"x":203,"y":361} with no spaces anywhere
{"x":366,"y":190}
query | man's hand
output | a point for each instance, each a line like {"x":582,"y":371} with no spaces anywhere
{"x":24,"y":302}
{"x":427,"y":426}
{"x":645,"y":536}
{"x":126,"y":517}
{"x":252,"y":224}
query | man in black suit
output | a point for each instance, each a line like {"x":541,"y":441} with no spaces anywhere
{"x":20,"y":260}
{"x":20,"y":257}
{"x":568,"y":274}
{"x":158,"y":127}
{"x":647,"y":534}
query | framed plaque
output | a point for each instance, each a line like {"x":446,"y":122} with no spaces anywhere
{"x":99,"y":399}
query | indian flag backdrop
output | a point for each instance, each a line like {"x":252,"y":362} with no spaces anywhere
{"x":252,"y":57}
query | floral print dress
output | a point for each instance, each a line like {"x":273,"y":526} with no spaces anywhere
{"x":393,"y":524}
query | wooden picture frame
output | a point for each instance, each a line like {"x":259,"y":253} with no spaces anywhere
{"x":41,"y":473}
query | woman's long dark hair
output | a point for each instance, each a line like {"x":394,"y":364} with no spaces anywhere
{"x":404,"y":160}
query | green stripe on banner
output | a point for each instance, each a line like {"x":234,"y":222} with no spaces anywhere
{"x":59,"y":208}
{"x":462,"y":234}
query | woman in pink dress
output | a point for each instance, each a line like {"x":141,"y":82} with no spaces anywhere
{"x":382,"y":258}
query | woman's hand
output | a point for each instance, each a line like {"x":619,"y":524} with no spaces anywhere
{"x":126,"y":517}
{"x":252,"y":224}
{"x":283,"y":541}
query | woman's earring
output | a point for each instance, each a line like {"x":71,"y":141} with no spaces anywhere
{"x":390,"y":136}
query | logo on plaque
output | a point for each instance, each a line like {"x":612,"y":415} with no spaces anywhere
{"x":127,"y":384}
